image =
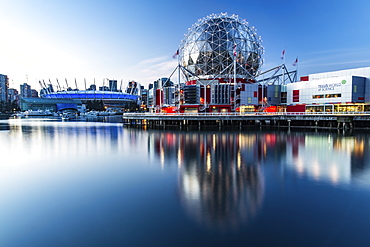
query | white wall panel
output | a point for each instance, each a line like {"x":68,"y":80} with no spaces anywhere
{"x":334,"y":85}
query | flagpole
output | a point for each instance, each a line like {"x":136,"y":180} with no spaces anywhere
{"x":297,"y":70}
{"x":235,"y":67}
{"x":179,"y":93}
{"x":263,"y":88}
{"x":284,"y":68}
{"x":234,"y":76}
{"x":295,"y":64}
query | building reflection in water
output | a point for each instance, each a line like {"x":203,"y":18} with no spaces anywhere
{"x":333,"y":158}
{"x":220,"y":185}
{"x":221,"y":181}
{"x":34,"y":141}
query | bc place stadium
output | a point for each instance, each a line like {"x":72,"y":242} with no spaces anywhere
{"x":62,"y":99}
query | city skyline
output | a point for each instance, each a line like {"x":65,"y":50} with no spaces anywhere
{"x":124,"y":40}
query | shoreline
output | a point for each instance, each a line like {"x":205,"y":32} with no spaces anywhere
{"x":289,"y":120}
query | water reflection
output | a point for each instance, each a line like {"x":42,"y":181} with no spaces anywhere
{"x":329,"y":157}
{"x":221,"y":177}
{"x":219,"y":184}
{"x":4,"y":126}
{"x":135,"y":181}
{"x":34,"y":141}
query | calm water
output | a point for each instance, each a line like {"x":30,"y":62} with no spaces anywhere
{"x":99,"y":184}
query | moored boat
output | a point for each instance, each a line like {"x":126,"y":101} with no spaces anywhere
{"x":38,"y":113}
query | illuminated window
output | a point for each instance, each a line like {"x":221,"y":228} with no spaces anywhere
{"x":320,"y":96}
{"x":317,"y":96}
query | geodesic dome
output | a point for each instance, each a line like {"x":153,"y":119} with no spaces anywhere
{"x":216,"y":44}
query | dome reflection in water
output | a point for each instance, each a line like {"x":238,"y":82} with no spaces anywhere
{"x":220,"y":185}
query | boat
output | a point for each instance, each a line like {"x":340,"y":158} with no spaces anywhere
{"x":38,"y":113}
{"x":19,"y":114}
{"x":91,"y":114}
{"x":68,"y":115}
{"x":99,"y":113}
{"x":106,"y":113}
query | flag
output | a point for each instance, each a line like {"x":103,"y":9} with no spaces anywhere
{"x":283,"y":54}
{"x":176,"y":54}
{"x":234,"y":50}
{"x":295,"y":62}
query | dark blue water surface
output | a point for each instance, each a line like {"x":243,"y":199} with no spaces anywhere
{"x":101,"y":184}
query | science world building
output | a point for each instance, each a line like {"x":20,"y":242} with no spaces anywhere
{"x":219,"y":58}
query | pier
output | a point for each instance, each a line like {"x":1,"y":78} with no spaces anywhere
{"x":326,"y":120}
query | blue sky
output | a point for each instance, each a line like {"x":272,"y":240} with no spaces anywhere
{"x":135,"y":40}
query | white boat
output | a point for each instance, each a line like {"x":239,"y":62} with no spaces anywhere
{"x":39,"y":113}
{"x":68,"y":115}
{"x":106,"y":113}
{"x":19,"y":114}
{"x":91,"y":114}
{"x":99,"y":113}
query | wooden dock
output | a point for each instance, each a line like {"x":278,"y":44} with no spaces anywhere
{"x":342,"y":120}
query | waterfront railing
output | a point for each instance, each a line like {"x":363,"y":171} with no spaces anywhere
{"x":251,"y":114}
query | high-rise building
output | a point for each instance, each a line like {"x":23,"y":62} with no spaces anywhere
{"x":144,"y":98}
{"x":34,"y":93}
{"x":4,"y":85}
{"x":26,"y":91}
{"x":13,"y":95}
{"x":113,"y":85}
